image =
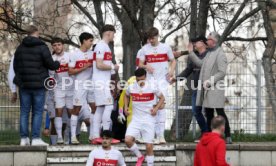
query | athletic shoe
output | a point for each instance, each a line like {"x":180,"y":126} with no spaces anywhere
{"x":39,"y":142}
{"x":162,"y":140}
{"x":229,"y":140}
{"x":74,"y":141}
{"x":94,"y":141}
{"x":140,"y":161}
{"x":99,"y":140}
{"x":115,"y":141}
{"x":60,"y":141}
{"x":156,"y":141}
{"x":25,"y":142}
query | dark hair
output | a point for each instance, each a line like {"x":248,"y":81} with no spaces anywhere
{"x":85,"y":36}
{"x":140,"y":72}
{"x":152,"y":32}
{"x":106,"y":133}
{"x":107,"y":27}
{"x":217,"y":122}
{"x":57,"y":40}
{"x":31,"y":29}
{"x":145,"y":39}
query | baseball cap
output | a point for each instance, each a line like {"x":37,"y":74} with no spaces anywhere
{"x":200,"y":38}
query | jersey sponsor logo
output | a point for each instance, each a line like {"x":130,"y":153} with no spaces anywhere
{"x":107,"y":56}
{"x":81,"y":63}
{"x":62,"y":68}
{"x":105,"y":162}
{"x":157,"y":58}
{"x":142,"y":97}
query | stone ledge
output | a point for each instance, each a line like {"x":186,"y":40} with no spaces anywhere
{"x":17,"y":148}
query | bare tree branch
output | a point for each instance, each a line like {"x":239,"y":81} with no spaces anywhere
{"x":161,"y":8}
{"x":246,"y":39}
{"x":86,"y":13}
{"x":99,"y":13}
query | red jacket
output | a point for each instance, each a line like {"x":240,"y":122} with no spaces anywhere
{"x":210,"y":151}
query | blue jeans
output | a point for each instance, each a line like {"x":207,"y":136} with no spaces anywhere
{"x":197,"y":112}
{"x":31,"y":98}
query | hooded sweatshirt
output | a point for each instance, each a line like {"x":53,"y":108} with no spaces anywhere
{"x":32,"y":60}
{"x":210,"y":151}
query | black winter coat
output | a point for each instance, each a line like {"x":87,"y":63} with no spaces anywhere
{"x":32,"y":60}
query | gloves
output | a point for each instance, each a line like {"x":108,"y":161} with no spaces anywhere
{"x":121,"y":117}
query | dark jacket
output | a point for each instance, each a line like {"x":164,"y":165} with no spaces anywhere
{"x":192,"y":68}
{"x":210,"y":151}
{"x":32,"y":60}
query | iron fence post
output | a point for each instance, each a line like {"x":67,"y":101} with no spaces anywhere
{"x":176,"y":103}
{"x":259,"y":102}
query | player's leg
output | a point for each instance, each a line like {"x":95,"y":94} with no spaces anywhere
{"x":78,"y":99}
{"x":92,"y":105}
{"x":97,"y":124}
{"x":84,"y":116}
{"x":161,"y":123}
{"x":148,"y":136}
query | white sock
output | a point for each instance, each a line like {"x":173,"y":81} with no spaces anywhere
{"x":150,"y":160}
{"x":97,"y":122}
{"x":106,"y":120}
{"x":74,"y":122}
{"x":53,"y":139}
{"x":58,"y":126}
{"x":136,"y":150}
{"x":162,"y":123}
{"x":91,"y":127}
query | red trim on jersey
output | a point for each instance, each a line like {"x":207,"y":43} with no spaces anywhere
{"x":80,"y":64}
{"x":104,"y":162}
{"x":94,"y":56}
{"x":143,"y":97}
{"x":156,"y":58}
{"x":107,"y":56}
{"x":62,"y":68}
{"x":137,"y":62}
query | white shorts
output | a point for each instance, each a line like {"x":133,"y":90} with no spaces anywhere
{"x":50,"y":104}
{"x":82,"y":96}
{"x":146,"y":129}
{"x":103,"y":96}
{"x":64,"y":98}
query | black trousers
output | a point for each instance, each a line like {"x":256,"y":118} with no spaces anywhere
{"x":210,"y":115}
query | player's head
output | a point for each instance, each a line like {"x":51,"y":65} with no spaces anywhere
{"x":140,"y":75}
{"x":108,"y":31}
{"x":32,"y":31}
{"x":199,"y":42}
{"x":218,"y":124}
{"x":57,"y":45}
{"x":107,"y":138}
{"x":153,"y":35}
{"x":86,"y":40}
{"x":212,"y":39}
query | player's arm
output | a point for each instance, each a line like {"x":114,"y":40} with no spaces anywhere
{"x":100,"y":65}
{"x":74,"y":71}
{"x":159,"y":104}
{"x":126,"y":100}
{"x":121,"y":160}
{"x":172,"y":61}
{"x":90,"y":160}
{"x":142,"y":60}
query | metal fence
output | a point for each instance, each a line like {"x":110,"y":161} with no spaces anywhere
{"x":247,"y":105}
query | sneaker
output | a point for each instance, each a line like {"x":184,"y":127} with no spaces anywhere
{"x":115,"y":141}
{"x":60,"y":141}
{"x":24,"y":141}
{"x":74,"y":141}
{"x":229,"y":140}
{"x":94,"y":141}
{"x":140,"y":161}
{"x":99,"y":140}
{"x":162,"y":140}
{"x":156,"y":141}
{"x":39,"y":142}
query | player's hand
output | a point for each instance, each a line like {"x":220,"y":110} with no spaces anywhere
{"x":190,"y":47}
{"x":116,"y":67}
{"x":126,"y":111}
{"x":14,"y":97}
{"x":46,"y":132}
{"x":149,"y":68}
{"x":172,"y":80}
{"x":121,"y":117}
{"x":153,"y":111}
{"x":206,"y":84}
{"x":177,"y":54}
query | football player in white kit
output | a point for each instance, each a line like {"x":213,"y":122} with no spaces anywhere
{"x":80,"y":66}
{"x":156,"y":55}
{"x":63,"y":95}
{"x":106,"y":155}
{"x":144,"y":108}
{"x":102,"y":70}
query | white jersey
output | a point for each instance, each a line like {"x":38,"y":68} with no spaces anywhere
{"x":101,"y":157}
{"x":77,"y":60}
{"x":102,"y":51}
{"x":143,"y":100}
{"x":157,"y":57}
{"x":62,"y":71}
